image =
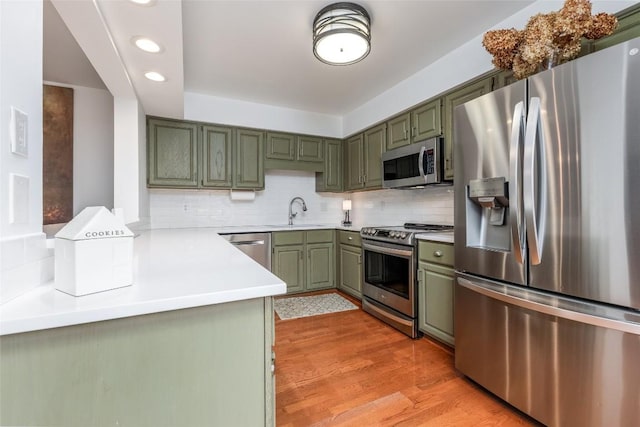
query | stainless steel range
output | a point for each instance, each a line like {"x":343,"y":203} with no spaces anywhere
{"x":388,"y":272}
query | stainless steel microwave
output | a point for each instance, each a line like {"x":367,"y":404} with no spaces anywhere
{"x":414,"y":165}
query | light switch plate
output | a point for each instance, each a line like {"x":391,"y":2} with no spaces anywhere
{"x":18,"y":132}
{"x":18,"y":199}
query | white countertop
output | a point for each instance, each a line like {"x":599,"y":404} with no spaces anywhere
{"x":436,"y":236}
{"x":173,"y":269}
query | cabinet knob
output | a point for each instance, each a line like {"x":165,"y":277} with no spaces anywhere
{"x":437,"y":254}
{"x":350,"y":238}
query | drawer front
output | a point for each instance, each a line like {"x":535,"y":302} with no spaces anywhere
{"x":436,"y":252}
{"x":320,"y":236}
{"x":280,"y":238}
{"x":350,"y":238}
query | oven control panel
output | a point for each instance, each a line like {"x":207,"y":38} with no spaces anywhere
{"x":384,"y":234}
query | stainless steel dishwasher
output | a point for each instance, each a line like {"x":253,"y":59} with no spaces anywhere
{"x":256,"y":245}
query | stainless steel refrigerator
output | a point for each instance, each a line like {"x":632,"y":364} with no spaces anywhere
{"x":547,"y":241}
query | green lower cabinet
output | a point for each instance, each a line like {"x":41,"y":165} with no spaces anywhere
{"x":304,"y":260}
{"x":202,"y":366}
{"x":288,"y":265}
{"x":436,"y":285}
{"x":320,"y":266}
{"x":350,"y":280}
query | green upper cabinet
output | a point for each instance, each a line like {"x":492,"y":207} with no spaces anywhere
{"x":217,"y":158}
{"x":375,"y":141}
{"x":426,"y":121}
{"x":192,"y":155}
{"x":280,"y":146}
{"x":628,"y":28}
{"x":172,"y":154}
{"x":354,"y":163}
{"x":310,"y":149}
{"x":294,"y":152}
{"x":364,"y":159}
{"x":423,"y":122}
{"x":331,"y":177}
{"x":452,"y":100}
{"x":503,"y":78}
{"x":249,"y":159}
{"x":398,"y":131}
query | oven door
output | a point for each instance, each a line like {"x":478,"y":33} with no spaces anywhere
{"x":388,"y":275}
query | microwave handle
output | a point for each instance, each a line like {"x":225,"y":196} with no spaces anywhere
{"x":421,"y":162}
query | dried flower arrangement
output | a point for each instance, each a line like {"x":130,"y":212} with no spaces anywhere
{"x":556,"y":34}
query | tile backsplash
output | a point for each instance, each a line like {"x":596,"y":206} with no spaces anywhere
{"x":214,"y":208}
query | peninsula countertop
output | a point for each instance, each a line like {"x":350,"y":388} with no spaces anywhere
{"x":172,"y":269}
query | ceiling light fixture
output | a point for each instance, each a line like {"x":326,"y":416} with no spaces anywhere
{"x":143,"y":2}
{"x":341,"y":34}
{"x":155,"y":76}
{"x":146,"y":44}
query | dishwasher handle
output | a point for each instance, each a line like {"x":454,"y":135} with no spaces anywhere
{"x":248,"y":242}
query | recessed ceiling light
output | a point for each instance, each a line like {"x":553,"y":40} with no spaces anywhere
{"x":143,"y":2}
{"x":146,"y":44}
{"x":155,"y":76}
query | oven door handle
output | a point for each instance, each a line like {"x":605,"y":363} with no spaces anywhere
{"x":407,"y":253}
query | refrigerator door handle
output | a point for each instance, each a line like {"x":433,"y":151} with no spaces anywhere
{"x":515,"y":176}
{"x":541,"y":307}
{"x":534,"y":185}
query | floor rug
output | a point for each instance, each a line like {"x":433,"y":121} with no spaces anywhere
{"x":294,"y":307}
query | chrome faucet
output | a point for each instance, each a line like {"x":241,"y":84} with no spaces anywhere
{"x":291,"y":213}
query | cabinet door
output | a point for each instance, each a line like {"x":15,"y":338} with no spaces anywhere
{"x":280,"y":146}
{"x":351,"y":270}
{"x":310,"y":149}
{"x":435,"y":301}
{"x":216,"y":156}
{"x":504,"y":78}
{"x":288,"y":265}
{"x":398,"y":134}
{"x":354,"y":163}
{"x":374,"y":145}
{"x":331,"y":177}
{"x":320,"y":266}
{"x":173,"y":154}
{"x":249,"y":161}
{"x":452,"y":100}
{"x":426,"y":121}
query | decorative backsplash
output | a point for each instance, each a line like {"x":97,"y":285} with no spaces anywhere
{"x":198,"y":208}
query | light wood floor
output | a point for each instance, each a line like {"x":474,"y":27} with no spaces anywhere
{"x":350,"y":369}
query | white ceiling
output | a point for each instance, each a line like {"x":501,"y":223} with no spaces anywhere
{"x":260,"y":51}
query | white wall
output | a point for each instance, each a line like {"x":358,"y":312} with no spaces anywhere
{"x":24,"y":260}
{"x":92,"y":147}
{"x":128,"y":119}
{"x":232,"y":112}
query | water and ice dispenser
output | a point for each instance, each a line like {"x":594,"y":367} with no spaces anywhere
{"x":486,"y":213}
